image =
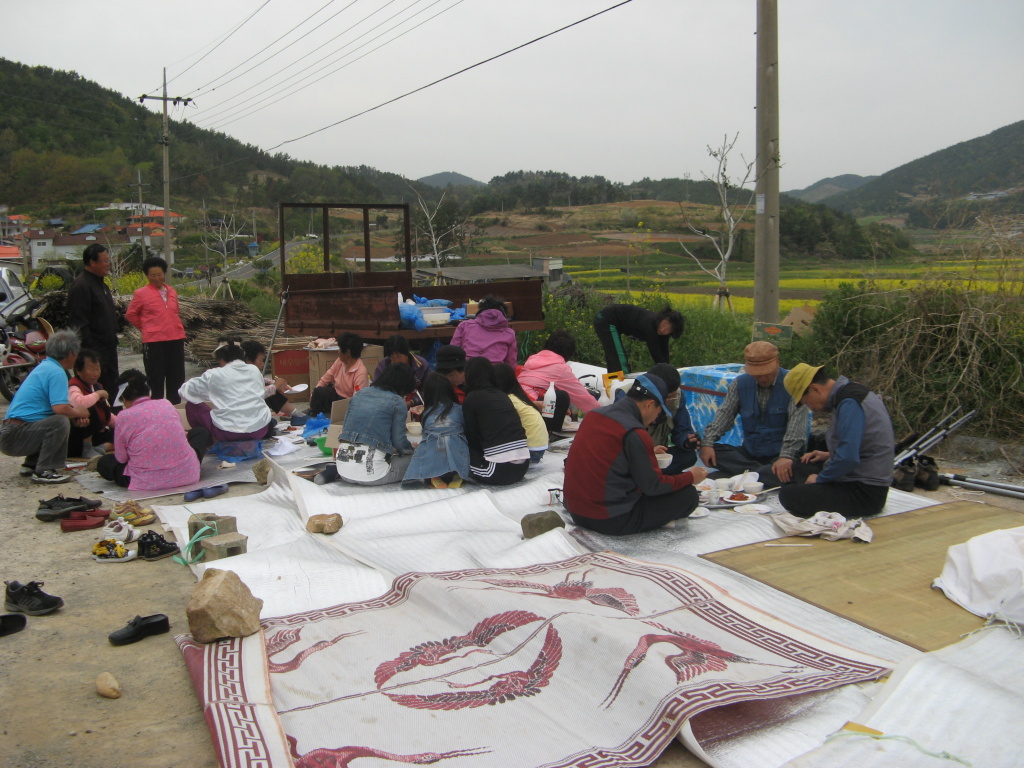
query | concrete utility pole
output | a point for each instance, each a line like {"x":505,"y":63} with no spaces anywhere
{"x":766,"y":215}
{"x":166,"y":141}
{"x":142,"y":229}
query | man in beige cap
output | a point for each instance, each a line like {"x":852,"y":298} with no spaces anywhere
{"x":774,"y":426}
{"x":857,"y":472}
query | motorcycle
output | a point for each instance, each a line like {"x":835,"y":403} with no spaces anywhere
{"x":22,"y":346}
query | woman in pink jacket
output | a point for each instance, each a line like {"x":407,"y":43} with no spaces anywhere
{"x":549,"y":365}
{"x":154,"y":311}
{"x":488,"y":335}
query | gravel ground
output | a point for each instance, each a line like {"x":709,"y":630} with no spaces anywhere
{"x":50,"y":714}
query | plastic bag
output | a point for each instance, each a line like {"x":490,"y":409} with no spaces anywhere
{"x":316,"y":426}
{"x":238,"y":450}
{"x":412,"y":317}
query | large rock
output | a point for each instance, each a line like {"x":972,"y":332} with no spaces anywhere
{"x":222,"y":606}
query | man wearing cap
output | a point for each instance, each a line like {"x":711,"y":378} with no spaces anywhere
{"x":774,"y":425}
{"x":857,"y":473}
{"x":450,"y":361}
{"x":612,"y":481}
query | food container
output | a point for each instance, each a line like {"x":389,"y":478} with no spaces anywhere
{"x":436,"y":315}
{"x":753,"y":487}
{"x":664,"y":459}
{"x":724,"y":483}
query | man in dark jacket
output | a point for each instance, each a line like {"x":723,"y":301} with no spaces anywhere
{"x":612,"y":481}
{"x":92,"y":313}
{"x":857,"y":473}
{"x":653,"y":328}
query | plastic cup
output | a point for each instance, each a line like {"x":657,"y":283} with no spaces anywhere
{"x":664,"y":459}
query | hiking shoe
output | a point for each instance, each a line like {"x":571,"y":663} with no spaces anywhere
{"x":119,"y":530}
{"x":134,"y":513}
{"x":927,"y":476}
{"x":58,"y":508}
{"x":26,"y":470}
{"x":61,"y":498}
{"x":153,"y":546}
{"x":903,"y":476}
{"x":50,"y":476}
{"x":112,"y":551}
{"x":30,"y":599}
{"x":140,"y":627}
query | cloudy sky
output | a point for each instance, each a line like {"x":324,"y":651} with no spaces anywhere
{"x":638,"y":91}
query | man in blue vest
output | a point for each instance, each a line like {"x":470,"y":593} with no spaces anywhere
{"x":858,"y":464}
{"x":774,"y":426}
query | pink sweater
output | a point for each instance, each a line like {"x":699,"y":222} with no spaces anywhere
{"x":150,"y":441}
{"x":541,"y":369}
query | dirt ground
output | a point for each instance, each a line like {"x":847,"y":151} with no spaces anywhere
{"x":50,"y":714}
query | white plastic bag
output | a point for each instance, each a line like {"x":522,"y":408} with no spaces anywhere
{"x":985,"y":575}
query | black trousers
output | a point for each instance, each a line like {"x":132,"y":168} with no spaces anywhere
{"x":322,"y":399}
{"x":848,"y":499}
{"x":96,"y":432}
{"x":555,"y":421}
{"x":111,"y":469}
{"x":108,"y":369}
{"x":500,"y":474}
{"x":731,"y":460}
{"x":165,"y":368}
{"x":650,"y":513}
{"x":615,"y":357}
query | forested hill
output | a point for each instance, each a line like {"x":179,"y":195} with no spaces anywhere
{"x":988,"y":164}
{"x":64,"y":138}
{"x":450,"y":178}
{"x":819,"y":190}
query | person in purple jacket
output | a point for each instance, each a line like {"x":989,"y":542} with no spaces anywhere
{"x":488,"y":335}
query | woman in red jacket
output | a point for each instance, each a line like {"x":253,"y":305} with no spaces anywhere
{"x":154,"y":311}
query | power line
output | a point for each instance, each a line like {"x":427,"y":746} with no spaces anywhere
{"x":282,"y":85}
{"x":270,"y":45}
{"x":410,"y":93}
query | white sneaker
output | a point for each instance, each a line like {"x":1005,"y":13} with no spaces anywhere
{"x":119,"y":530}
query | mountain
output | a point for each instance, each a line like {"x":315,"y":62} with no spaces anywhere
{"x":992,"y":164}
{"x":450,"y":178}
{"x":819,"y":190}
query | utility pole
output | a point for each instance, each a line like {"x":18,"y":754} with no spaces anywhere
{"x":142,"y":229}
{"x":766,"y":213}
{"x":166,"y":141}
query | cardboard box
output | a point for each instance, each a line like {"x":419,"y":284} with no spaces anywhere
{"x":333,"y":432}
{"x":338,"y":410}
{"x":472,"y":308}
{"x":320,"y":360}
{"x":293,"y":366}
{"x":371,"y":357}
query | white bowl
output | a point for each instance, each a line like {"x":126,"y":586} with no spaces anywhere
{"x":664,"y":459}
{"x":723,"y":483}
{"x":753,"y":487}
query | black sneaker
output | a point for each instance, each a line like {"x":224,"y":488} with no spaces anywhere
{"x":89,"y":503}
{"x":58,"y":508}
{"x":153,"y":546}
{"x":30,"y":599}
{"x":49,"y":476}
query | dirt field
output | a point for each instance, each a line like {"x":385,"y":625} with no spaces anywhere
{"x":50,"y":714}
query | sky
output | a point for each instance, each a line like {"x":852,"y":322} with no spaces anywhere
{"x":638,"y":91}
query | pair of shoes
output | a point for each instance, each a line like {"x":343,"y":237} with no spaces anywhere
{"x":112,"y":551}
{"x":927,"y":476}
{"x":328,"y":475}
{"x":134,"y":513}
{"x":119,"y":530}
{"x":153,"y":546}
{"x":206,"y":493}
{"x":140,"y":627}
{"x":58,"y":508}
{"x":11,"y":623}
{"x":30,"y":599}
{"x":27,"y":470}
{"x":60,"y":498}
{"x":437,"y":482}
{"x":82,"y":523}
{"x":50,"y":476}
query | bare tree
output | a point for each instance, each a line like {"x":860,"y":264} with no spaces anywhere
{"x":219,"y":237}
{"x":444,"y":226}
{"x":731,"y":211}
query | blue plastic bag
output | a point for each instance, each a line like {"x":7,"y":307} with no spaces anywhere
{"x":235,"y":451}
{"x":412,"y":317}
{"x":316,"y":426}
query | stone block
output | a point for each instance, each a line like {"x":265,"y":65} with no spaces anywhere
{"x":222,"y":606}
{"x":224,"y":545}
{"x":541,"y":522}
{"x":324,"y":523}
{"x":224,"y":523}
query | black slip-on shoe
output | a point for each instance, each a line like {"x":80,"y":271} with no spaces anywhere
{"x":11,"y":623}
{"x":140,"y":627}
{"x":30,"y":599}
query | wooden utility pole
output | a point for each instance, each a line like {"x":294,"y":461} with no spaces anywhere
{"x":766,"y":214}
{"x":166,"y":141}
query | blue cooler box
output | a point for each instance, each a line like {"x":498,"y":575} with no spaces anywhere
{"x":704,"y":387}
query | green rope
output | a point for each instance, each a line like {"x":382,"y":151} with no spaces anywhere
{"x":906,"y":740}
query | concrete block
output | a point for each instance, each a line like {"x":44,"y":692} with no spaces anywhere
{"x":224,"y":545}
{"x":224,"y":524}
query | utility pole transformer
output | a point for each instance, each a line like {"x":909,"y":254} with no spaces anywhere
{"x":766,"y":212}
{"x":166,"y":141}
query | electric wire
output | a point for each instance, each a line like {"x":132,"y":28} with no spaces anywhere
{"x":270,"y":45}
{"x":262,"y":97}
{"x":409,"y":93}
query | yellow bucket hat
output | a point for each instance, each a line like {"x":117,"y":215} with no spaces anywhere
{"x":799,"y":379}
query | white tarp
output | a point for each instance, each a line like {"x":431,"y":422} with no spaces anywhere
{"x":985,"y":575}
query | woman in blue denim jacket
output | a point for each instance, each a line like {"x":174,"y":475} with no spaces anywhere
{"x":443,"y":456}
{"x":375,"y":421}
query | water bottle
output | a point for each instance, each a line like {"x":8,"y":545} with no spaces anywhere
{"x":549,"y":402}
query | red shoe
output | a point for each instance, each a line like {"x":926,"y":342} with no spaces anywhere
{"x":85,"y":523}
